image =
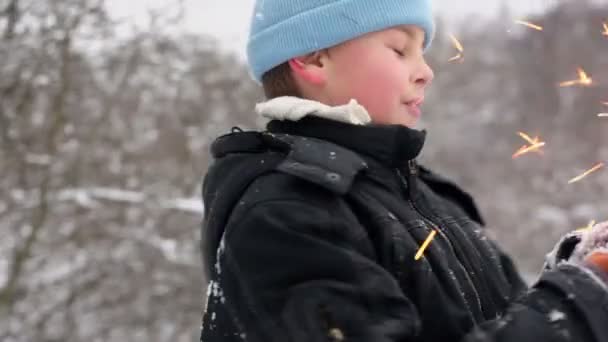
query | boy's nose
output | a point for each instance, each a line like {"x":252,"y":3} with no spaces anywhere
{"x":424,"y":75}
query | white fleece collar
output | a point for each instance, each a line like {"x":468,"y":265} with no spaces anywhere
{"x":294,"y":108}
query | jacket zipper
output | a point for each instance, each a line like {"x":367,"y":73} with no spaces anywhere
{"x":483,"y":285}
{"x":413,"y":173}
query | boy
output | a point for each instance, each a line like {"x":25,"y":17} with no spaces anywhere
{"x":312,"y":226}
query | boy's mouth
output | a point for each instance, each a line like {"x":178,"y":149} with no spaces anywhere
{"x":413,"y":106}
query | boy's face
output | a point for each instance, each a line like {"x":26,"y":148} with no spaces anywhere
{"x":384,"y":71}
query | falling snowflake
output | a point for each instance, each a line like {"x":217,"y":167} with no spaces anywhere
{"x":556,"y":315}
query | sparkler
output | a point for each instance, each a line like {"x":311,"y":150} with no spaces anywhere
{"x":586,"y":173}
{"x":529,"y":24}
{"x":589,"y":226}
{"x":425,"y":245}
{"x":458,"y":46}
{"x":583,"y":79}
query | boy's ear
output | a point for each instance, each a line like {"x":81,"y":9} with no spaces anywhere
{"x":311,"y":68}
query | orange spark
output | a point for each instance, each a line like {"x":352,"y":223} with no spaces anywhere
{"x":535,"y":145}
{"x":425,"y":245}
{"x":457,"y":43}
{"x":582,"y":75}
{"x":586,"y":173}
{"x":458,"y":57}
{"x":527,"y":149}
{"x":589,"y":226}
{"x":583,"y":79}
{"x":529,"y":24}
{"x":527,"y":138}
{"x":458,"y":46}
{"x":605,"y":33}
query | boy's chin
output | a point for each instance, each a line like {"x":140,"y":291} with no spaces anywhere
{"x":406,"y":122}
{"x":404,"y":119}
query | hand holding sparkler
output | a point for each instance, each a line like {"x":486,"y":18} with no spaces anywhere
{"x":584,"y":246}
{"x":599,"y":259}
{"x":593,"y":247}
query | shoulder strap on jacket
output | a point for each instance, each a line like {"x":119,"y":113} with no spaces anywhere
{"x":318,"y":161}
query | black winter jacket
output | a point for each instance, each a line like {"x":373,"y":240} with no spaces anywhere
{"x":310,"y":233}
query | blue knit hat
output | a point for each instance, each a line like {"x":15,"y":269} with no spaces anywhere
{"x":283,"y":29}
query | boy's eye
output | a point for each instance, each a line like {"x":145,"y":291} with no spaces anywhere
{"x":399,"y":52}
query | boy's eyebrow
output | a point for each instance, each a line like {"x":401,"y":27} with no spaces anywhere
{"x":410,"y":33}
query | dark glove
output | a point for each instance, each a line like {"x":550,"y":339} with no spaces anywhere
{"x":586,"y":248}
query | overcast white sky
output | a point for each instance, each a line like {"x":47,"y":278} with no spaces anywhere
{"x":227,"y":20}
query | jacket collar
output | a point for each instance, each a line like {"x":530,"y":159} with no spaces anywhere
{"x":293,"y":109}
{"x":348,"y":126}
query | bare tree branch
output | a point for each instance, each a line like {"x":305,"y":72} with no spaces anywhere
{"x":12,"y":13}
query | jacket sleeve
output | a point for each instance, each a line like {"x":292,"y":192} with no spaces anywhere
{"x":568,"y":303}
{"x":290,"y":271}
{"x":295,"y":271}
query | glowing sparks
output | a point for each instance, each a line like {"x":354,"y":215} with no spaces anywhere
{"x":527,"y":138}
{"x":586,"y":173}
{"x":605,"y":33}
{"x":425,"y":245}
{"x":589,"y":226}
{"x":583,"y":79}
{"x":535,"y":145}
{"x":527,"y":149}
{"x":458,"y":46}
{"x":457,"y":43}
{"x":529,"y":24}
{"x":458,"y":57}
{"x":602,"y":115}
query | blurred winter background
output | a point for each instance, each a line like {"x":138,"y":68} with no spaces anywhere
{"x":107,"y":109}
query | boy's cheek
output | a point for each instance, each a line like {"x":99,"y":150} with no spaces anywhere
{"x":373,"y":82}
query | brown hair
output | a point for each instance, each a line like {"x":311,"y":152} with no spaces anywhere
{"x":279,"y":81}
